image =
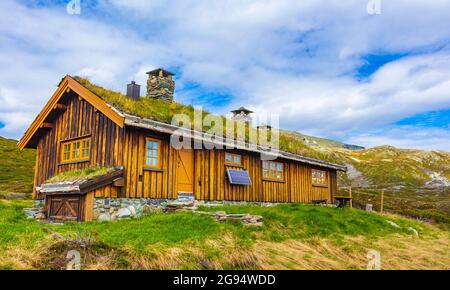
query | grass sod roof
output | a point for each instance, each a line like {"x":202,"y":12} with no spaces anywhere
{"x":81,"y":180}
{"x":163,"y":111}
{"x":78,"y":174}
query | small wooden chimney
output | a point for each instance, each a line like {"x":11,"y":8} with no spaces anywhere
{"x":133,"y":91}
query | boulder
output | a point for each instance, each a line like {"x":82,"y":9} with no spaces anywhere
{"x":96,"y":214}
{"x":132,"y":210}
{"x":40,"y":216}
{"x":150,"y":208}
{"x":124,"y":213}
{"x":114,"y":216}
{"x":394,"y":224}
{"x":104,"y":217}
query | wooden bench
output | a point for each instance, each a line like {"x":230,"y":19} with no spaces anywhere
{"x":343,"y":200}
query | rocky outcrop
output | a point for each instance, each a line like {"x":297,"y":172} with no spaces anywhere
{"x":357,"y":179}
{"x":37,"y":212}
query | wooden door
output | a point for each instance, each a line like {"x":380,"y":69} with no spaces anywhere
{"x":64,"y":207}
{"x":185,"y":171}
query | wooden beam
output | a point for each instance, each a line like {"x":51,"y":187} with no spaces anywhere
{"x":119,"y":182}
{"x":60,"y":107}
{"x":47,"y":126}
{"x":100,"y":181}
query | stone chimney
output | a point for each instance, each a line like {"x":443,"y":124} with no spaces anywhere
{"x":160,"y":85}
{"x":242,"y":114}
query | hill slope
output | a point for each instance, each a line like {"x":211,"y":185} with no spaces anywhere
{"x":16,"y":168}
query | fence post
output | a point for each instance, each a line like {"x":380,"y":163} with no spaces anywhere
{"x":382,"y":201}
{"x":351,"y":198}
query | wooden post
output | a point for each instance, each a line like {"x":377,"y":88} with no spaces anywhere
{"x":382,"y":201}
{"x":351,"y":198}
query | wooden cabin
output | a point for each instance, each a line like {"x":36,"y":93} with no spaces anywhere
{"x":78,"y":129}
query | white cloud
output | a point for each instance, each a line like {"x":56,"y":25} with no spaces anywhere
{"x":40,"y":46}
{"x":294,"y":58}
{"x":406,"y":137}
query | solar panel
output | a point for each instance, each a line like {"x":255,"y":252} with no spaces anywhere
{"x":238,"y":177}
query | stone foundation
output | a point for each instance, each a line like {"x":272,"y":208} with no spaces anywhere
{"x":108,"y":209}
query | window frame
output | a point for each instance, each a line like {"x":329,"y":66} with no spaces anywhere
{"x":325,"y":178}
{"x":232,"y":163}
{"x":269,"y":170}
{"x":69,"y":144}
{"x":158,"y":157}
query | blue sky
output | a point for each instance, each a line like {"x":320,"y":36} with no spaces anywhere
{"x":326,"y":68}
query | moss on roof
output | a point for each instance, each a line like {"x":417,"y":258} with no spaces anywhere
{"x":143,"y":107}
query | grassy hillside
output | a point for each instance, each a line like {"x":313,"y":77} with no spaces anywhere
{"x":293,"y":236}
{"x":16,"y":168}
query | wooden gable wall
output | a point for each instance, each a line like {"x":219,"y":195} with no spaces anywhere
{"x":80,"y":119}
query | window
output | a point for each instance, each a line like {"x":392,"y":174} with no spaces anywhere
{"x":319,"y":178}
{"x":233,"y":159}
{"x":85,"y":148}
{"x":76,"y":151}
{"x":152,"y":148}
{"x":273,"y":170}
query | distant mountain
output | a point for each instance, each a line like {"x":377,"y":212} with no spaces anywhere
{"x":321,"y":142}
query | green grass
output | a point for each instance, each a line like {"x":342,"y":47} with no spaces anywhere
{"x":85,"y":173}
{"x":199,"y":237}
{"x":281,"y":222}
{"x":16,"y":167}
{"x":14,"y":227}
{"x":139,"y":233}
{"x":301,"y":221}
